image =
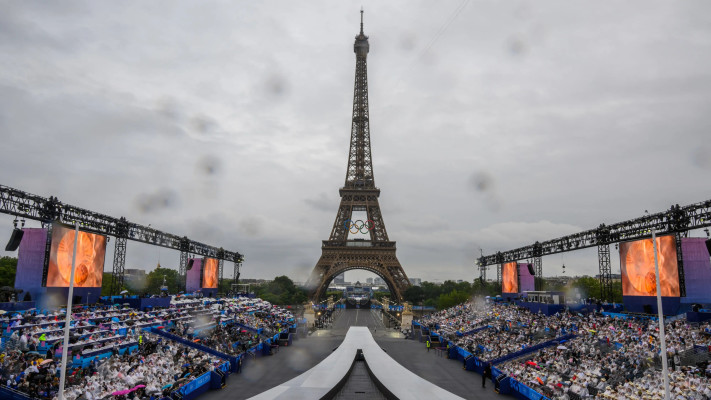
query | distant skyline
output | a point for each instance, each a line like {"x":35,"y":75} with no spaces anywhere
{"x":493,"y":124}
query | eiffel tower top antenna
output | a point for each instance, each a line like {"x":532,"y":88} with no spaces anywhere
{"x":361,"y":20}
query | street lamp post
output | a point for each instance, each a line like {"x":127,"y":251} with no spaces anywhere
{"x":68,"y":319}
{"x":665,"y":370}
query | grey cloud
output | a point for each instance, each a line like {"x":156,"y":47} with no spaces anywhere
{"x":322,"y":202}
{"x":243,"y":113}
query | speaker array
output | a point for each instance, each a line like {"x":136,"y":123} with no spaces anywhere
{"x":15,"y":239}
{"x":530,"y":270}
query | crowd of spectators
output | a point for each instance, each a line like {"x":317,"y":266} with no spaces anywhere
{"x":157,"y":368}
{"x":498,"y":330}
{"x":615,"y":358}
{"x":101,"y":366}
{"x":235,"y":325}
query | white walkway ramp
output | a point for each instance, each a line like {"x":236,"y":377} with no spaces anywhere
{"x":319,"y":380}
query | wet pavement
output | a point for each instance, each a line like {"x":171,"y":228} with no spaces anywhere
{"x":263,"y":373}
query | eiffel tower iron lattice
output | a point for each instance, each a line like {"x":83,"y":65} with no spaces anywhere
{"x":359,"y":194}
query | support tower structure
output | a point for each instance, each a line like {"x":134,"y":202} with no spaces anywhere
{"x":375,"y":253}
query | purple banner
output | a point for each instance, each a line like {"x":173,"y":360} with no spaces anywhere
{"x":194,"y":275}
{"x":30,"y":259}
{"x":697,"y":270}
{"x":528,"y":282}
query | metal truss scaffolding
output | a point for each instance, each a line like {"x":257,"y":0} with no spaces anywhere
{"x":676,"y":221}
{"x":603,"y":256}
{"x":48,"y":210}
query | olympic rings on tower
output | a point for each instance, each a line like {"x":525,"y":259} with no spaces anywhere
{"x":359,"y":226}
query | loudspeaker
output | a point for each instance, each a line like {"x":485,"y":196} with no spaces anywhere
{"x":708,"y":245}
{"x":15,"y":239}
{"x":481,"y":280}
{"x":695,"y":307}
{"x":190,"y":264}
{"x":530,"y":270}
{"x":648,"y":309}
{"x":237,"y":277}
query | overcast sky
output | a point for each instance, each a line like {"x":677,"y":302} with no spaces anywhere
{"x":493,"y":124}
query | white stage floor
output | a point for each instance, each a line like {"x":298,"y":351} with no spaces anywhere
{"x":319,"y":380}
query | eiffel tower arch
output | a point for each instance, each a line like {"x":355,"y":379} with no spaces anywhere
{"x":375,"y":253}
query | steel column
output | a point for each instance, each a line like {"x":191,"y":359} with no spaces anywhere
{"x":603,"y":255}
{"x":119,"y":264}
{"x":221,"y":266}
{"x":680,"y":265}
{"x":538,"y":269}
{"x":47,"y":250}
{"x":236,"y":273}
{"x":182,"y":270}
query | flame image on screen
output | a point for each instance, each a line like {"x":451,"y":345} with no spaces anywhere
{"x":637,"y":267}
{"x":209,"y":274}
{"x":91,"y":250}
{"x":509,"y":274}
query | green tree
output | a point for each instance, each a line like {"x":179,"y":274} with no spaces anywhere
{"x":587,"y":286}
{"x":281,"y":291}
{"x":106,"y":284}
{"x":451,"y":299}
{"x":155,"y":280}
{"x":414,"y":295}
{"x":379,"y":295}
{"x":8,"y":267}
{"x":337,"y":294}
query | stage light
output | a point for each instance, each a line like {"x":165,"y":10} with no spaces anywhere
{"x":15,"y":237}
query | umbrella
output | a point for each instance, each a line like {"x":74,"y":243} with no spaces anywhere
{"x":114,"y":319}
{"x":3,"y":312}
{"x":562,"y":348}
{"x":123,"y":292}
{"x":120,"y":392}
{"x":47,"y":361}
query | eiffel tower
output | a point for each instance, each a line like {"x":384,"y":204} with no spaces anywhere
{"x":377,"y":253}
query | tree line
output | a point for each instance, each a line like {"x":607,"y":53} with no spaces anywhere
{"x":451,"y":293}
{"x":283,"y":291}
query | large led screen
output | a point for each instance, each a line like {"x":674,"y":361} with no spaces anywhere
{"x":637,"y":267}
{"x":510,"y":278}
{"x":91,"y":249}
{"x":209,"y":274}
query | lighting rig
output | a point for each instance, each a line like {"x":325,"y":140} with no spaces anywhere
{"x":47,"y":210}
{"x":677,"y":221}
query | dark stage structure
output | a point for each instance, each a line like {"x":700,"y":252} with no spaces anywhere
{"x":50,"y":210}
{"x":677,"y":221}
{"x":375,"y":252}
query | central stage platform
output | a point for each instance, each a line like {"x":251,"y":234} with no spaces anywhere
{"x":323,"y":380}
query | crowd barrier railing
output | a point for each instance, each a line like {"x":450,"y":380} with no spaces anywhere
{"x":531,"y":349}
{"x":473,"y":363}
{"x":233,"y":360}
{"x":509,"y":385}
{"x":12,"y":394}
{"x":196,"y":387}
{"x":472,"y":331}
